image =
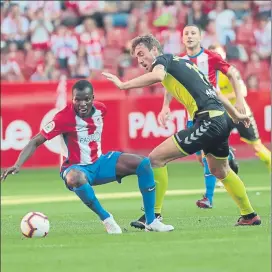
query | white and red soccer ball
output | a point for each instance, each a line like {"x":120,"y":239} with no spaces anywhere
{"x":35,"y":224}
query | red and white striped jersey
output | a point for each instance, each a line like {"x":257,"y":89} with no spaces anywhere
{"x":81,"y":136}
{"x":209,"y":63}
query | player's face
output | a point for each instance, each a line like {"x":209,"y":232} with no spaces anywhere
{"x":191,"y":37}
{"x":83,"y":102}
{"x":145,"y":56}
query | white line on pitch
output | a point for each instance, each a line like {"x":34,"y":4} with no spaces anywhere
{"x":15,"y":200}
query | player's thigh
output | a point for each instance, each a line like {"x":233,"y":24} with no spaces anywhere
{"x":250,"y":134}
{"x":127,"y":164}
{"x":181,"y":144}
{"x":106,"y":171}
{"x":165,"y":152}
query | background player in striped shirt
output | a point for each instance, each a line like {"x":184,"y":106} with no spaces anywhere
{"x":216,"y":69}
{"x":80,"y":125}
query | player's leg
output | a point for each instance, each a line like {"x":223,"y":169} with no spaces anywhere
{"x":117,"y":165}
{"x":217,"y":158}
{"x":130,"y":164}
{"x":251,"y":136}
{"x":183,"y":143}
{"x":78,"y":179}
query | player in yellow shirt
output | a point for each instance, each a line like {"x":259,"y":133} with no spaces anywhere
{"x":210,"y":131}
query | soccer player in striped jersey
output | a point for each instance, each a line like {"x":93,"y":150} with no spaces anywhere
{"x":80,"y":124}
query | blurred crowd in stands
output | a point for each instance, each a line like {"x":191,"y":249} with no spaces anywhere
{"x":41,"y":40}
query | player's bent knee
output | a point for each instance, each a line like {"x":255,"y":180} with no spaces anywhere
{"x":219,"y":172}
{"x":155,"y":162}
{"x":75,"y":178}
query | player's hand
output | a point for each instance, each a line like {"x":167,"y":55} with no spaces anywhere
{"x":240,"y":106}
{"x":117,"y":82}
{"x":243,"y":119}
{"x":12,"y":170}
{"x":164,"y":116}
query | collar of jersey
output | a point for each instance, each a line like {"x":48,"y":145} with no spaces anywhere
{"x":195,"y":56}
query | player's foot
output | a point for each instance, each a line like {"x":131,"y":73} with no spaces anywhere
{"x":158,"y":226}
{"x":256,"y":220}
{"x":140,"y":223}
{"x":111,"y":226}
{"x":204,"y":203}
{"x":219,"y":184}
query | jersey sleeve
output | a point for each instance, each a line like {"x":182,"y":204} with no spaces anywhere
{"x":163,"y":60}
{"x":54,"y":127}
{"x":220,"y":64}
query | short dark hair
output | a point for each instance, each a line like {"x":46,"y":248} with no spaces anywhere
{"x":82,"y":84}
{"x":197,"y":26}
{"x":148,"y":40}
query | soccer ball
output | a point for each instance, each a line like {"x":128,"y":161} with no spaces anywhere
{"x":35,"y":224}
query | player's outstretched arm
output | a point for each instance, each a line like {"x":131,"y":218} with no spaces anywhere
{"x":157,"y":75}
{"x":25,"y":154}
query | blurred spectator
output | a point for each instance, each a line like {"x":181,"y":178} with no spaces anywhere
{"x":79,"y":64}
{"x":224,"y":21}
{"x":240,"y":8}
{"x":51,"y":70}
{"x":143,"y":28}
{"x":209,"y":36}
{"x":171,"y":38}
{"x":40,"y":30}
{"x":257,"y":67}
{"x":263,"y":38}
{"x":10,"y":69}
{"x":94,"y":42}
{"x":52,"y":10}
{"x":252,"y":83}
{"x":263,"y":8}
{"x":15,"y":26}
{"x":63,"y":44}
{"x":124,"y":61}
{"x":197,"y":16}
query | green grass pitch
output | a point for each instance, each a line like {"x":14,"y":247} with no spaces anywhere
{"x":203,"y":240}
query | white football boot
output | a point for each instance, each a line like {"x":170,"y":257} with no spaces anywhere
{"x":158,"y":226}
{"x":111,"y":226}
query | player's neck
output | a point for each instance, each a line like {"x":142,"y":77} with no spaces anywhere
{"x":192,"y":52}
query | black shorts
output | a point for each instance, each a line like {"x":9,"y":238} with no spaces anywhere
{"x":208,"y":134}
{"x":248,"y":135}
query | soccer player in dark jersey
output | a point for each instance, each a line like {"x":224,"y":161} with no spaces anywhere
{"x":80,"y":125}
{"x":210,"y":132}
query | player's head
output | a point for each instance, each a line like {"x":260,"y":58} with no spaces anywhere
{"x":191,"y":36}
{"x":146,"y":48}
{"x":218,"y":49}
{"x":83,"y":97}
